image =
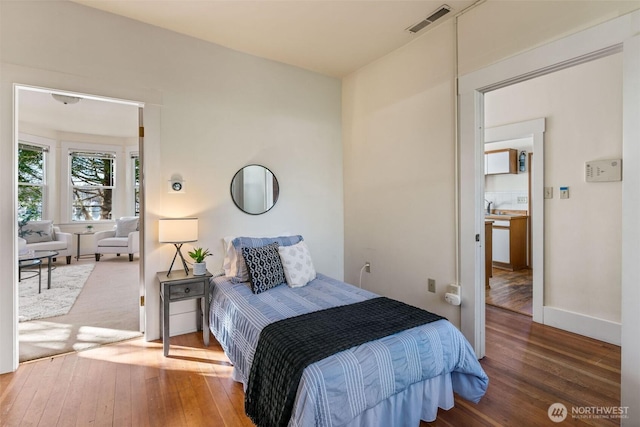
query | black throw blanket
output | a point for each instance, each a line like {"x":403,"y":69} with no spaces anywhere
{"x":286,"y":347}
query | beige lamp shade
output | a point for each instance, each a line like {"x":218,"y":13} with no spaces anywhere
{"x":178,"y":230}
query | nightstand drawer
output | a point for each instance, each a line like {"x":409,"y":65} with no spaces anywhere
{"x":185,"y":291}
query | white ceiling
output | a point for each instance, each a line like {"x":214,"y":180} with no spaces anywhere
{"x":331,"y":37}
{"x":38,"y":110}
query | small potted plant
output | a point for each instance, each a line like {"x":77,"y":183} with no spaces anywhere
{"x":199,"y":266}
{"x":89,"y":228}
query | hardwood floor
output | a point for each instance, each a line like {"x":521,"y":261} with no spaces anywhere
{"x":530,"y":366}
{"x":512,"y":290}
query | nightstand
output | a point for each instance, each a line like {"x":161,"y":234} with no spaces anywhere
{"x":179,"y":286}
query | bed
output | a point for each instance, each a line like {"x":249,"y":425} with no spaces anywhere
{"x":396,"y":380}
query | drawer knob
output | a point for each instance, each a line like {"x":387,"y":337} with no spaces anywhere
{"x":187,"y":290}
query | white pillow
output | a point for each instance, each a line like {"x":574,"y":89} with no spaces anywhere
{"x":37,"y":231}
{"x":297,"y":263}
{"x":126,"y":225}
{"x":229,"y":264}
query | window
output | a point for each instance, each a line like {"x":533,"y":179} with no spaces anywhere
{"x":135,"y":165}
{"x":31,"y":182}
{"x":92,"y":184}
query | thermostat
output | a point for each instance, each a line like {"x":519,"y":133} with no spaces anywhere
{"x":603,"y":170}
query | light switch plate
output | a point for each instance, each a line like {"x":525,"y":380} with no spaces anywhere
{"x":548,"y":192}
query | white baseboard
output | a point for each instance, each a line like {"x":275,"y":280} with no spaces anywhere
{"x":592,"y":327}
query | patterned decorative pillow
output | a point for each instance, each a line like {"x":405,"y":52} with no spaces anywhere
{"x":265,"y":267}
{"x":297,"y":264}
{"x":37,"y":231}
{"x":126,"y":225}
{"x":242,"y":274}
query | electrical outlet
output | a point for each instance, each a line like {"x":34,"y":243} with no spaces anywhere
{"x":454,"y":289}
{"x":432,"y":285}
{"x":522,"y":200}
{"x":367,"y":267}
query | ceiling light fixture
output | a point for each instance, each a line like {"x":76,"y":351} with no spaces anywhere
{"x":65,"y":99}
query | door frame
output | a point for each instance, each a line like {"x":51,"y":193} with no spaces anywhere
{"x":594,"y":43}
{"x":535,"y":130}
{"x":16,"y":99}
{"x":617,"y":35}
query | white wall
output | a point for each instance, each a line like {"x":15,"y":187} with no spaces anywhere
{"x":208,"y":112}
{"x":399,"y":164}
{"x":583,"y":108}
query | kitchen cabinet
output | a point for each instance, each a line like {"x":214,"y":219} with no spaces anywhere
{"x":509,"y":242}
{"x":501,"y":161}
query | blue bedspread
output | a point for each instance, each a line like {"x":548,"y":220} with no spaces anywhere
{"x":335,"y":390}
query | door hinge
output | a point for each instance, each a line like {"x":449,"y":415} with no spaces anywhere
{"x":142,"y":301}
{"x":477,"y":237}
{"x":141,"y":131}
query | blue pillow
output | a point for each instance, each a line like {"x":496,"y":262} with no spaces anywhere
{"x":264,"y":266}
{"x":255,"y":242}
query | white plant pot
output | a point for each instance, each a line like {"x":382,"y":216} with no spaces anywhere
{"x":199,"y":268}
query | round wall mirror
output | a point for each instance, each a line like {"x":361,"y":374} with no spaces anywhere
{"x":254,"y":189}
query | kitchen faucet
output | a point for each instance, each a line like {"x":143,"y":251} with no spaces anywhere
{"x":488,"y":206}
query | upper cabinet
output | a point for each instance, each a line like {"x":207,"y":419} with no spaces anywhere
{"x":501,"y":161}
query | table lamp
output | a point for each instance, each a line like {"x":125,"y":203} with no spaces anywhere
{"x":178,"y":231}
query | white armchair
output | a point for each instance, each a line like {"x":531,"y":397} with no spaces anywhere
{"x":39,"y":238}
{"x":124,"y":238}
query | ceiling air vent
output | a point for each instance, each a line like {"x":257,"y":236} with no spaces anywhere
{"x":442,"y":10}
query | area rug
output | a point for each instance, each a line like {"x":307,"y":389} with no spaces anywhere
{"x":66,"y":283}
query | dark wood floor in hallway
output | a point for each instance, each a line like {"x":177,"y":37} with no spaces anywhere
{"x":511,"y":290}
{"x":530,"y":366}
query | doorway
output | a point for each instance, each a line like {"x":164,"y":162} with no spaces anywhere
{"x":103,"y":133}
{"x":516,"y":271}
{"x":544,"y":61}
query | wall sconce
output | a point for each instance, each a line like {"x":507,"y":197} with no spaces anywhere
{"x":176,"y":184}
{"x":178,"y":231}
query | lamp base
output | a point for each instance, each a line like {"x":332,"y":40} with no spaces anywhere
{"x":184,"y":263}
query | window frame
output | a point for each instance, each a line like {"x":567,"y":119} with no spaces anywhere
{"x":49,"y":149}
{"x":66,"y":207}
{"x":134,"y":198}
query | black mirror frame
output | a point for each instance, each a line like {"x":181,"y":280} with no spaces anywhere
{"x":276,"y":191}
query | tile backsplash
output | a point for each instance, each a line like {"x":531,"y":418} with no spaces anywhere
{"x":507,"y":200}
